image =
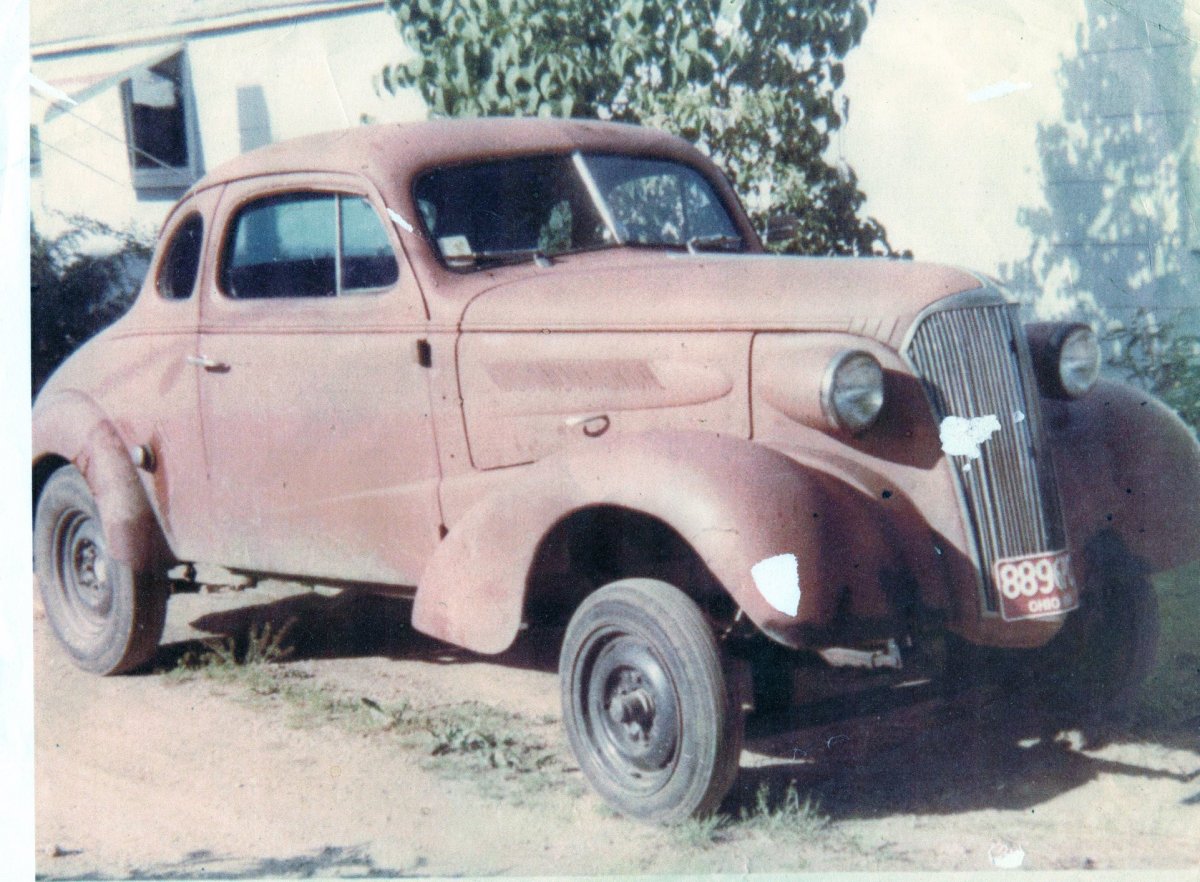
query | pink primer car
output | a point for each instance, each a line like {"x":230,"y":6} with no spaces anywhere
{"x":542,"y":372}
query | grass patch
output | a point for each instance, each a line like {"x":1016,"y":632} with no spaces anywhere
{"x":499,"y":750}
{"x":263,"y":645}
{"x":789,"y":817}
{"x":702,"y":832}
{"x":490,"y":737}
{"x":792,"y":815}
{"x":1170,"y":699}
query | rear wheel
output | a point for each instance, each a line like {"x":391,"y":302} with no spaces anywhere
{"x":646,"y":703}
{"x":108,"y":618}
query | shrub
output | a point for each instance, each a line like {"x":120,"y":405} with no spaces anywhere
{"x":80,"y":282}
{"x":1161,"y":359}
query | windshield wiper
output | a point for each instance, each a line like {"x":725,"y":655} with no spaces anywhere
{"x":501,"y":257}
{"x":718,"y":241}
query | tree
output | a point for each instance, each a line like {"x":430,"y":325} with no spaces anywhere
{"x":754,"y":83}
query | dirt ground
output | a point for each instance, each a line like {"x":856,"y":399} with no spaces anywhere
{"x":373,"y":751}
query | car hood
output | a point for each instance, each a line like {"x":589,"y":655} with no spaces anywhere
{"x":632,"y":290}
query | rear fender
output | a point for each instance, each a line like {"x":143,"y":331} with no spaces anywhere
{"x":734,"y":502}
{"x":70,"y":425}
{"x":1127,"y":465}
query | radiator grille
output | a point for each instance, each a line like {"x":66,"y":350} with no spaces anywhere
{"x":974,"y":361}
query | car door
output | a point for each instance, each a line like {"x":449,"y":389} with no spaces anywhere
{"x":315,"y":407}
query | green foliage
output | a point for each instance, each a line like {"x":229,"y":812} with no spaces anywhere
{"x":487,"y":736}
{"x":792,"y":815}
{"x":462,"y":739}
{"x":770,"y":817}
{"x":263,"y":645}
{"x":701,"y":833}
{"x":752,"y":82}
{"x":79,"y":284}
{"x":1171,"y":695}
{"x":1159,"y":358}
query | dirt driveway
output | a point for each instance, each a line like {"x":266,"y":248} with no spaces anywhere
{"x":373,"y":751}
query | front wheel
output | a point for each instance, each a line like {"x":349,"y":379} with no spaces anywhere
{"x":1108,"y":647}
{"x":1092,"y":670}
{"x":107,"y":617}
{"x":646,"y":705}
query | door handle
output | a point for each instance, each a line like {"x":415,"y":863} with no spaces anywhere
{"x":593,"y":426}
{"x":209,"y":364}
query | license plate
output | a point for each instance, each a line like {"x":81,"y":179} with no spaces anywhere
{"x":1036,"y":586}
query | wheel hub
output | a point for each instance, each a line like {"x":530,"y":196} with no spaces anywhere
{"x":89,"y":566}
{"x":85,"y":570}
{"x":632,"y":704}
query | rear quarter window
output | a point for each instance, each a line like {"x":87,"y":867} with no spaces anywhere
{"x":181,"y":262}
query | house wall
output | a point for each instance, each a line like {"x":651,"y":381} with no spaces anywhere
{"x":1051,"y":144}
{"x":315,"y":75}
{"x":1016,"y":137}
{"x":87,"y":173}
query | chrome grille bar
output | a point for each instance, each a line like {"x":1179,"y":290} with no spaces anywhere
{"x":974,"y":362}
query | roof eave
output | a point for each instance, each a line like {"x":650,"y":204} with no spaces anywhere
{"x":174,"y":33}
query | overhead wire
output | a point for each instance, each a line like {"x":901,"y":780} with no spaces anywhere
{"x":74,"y":158}
{"x":68,"y":111}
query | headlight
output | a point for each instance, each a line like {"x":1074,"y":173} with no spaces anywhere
{"x":852,"y":392}
{"x":1066,"y":357}
{"x":1079,"y":361}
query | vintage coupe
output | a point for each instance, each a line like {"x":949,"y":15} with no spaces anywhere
{"x":542,"y":372}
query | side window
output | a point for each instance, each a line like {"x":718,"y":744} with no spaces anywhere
{"x":181,"y":262}
{"x":307,"y":245}
{"x":367,"y":258}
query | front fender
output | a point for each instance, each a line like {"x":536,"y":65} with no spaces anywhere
{"x":1127,"y":464}
{"x":70,"y":425}
{"x":735,"y":502}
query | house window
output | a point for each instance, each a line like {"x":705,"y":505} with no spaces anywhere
{"x":159,"y":126}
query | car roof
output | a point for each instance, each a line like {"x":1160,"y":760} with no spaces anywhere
{"x":390,"y":153}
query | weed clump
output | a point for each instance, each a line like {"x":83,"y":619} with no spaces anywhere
{"x":792,"y":816}
{"x":264,"y":645}
{"x":702,"y":832}
{"x":487,"y":736}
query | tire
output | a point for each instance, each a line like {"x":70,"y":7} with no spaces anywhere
{"x":646,"y":704}
{"x":1108,"y":647}
{"x":108,"y":618}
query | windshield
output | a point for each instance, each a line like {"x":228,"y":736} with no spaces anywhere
{"x":519,"y":209}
